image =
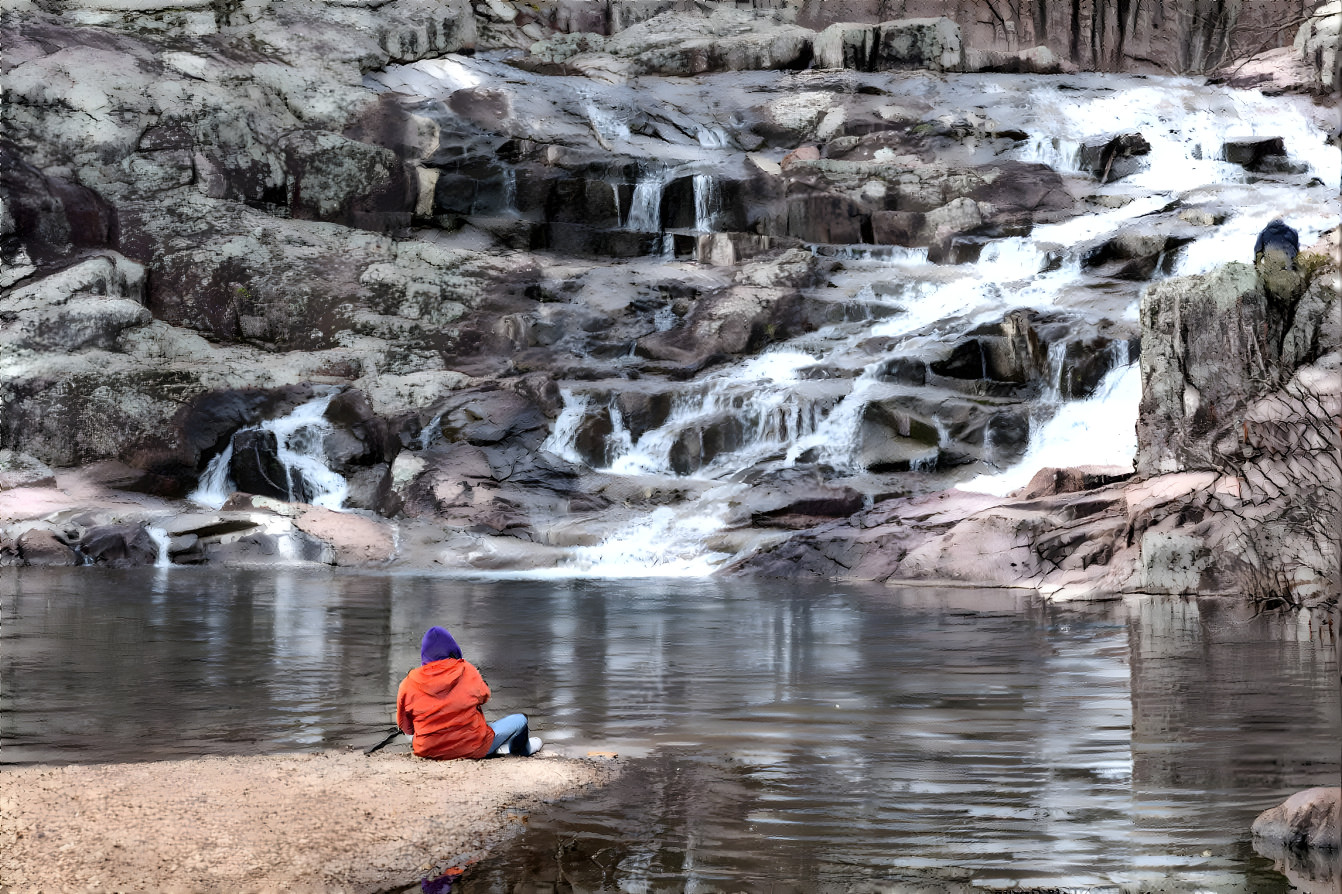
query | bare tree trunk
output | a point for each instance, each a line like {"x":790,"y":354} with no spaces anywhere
{"x":1075,"y":45}
{"x":1040,"y":16}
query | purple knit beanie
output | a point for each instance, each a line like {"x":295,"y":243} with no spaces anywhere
{"x":437,"y":645}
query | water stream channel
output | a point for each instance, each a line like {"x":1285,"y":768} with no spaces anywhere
{"x":819,"y":738}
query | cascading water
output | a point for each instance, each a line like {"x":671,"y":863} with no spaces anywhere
{"x":645,"y":208}
{"x":299,"y":440}
{"x":162,"y":541}
{"x":805,"y":404}
{"x":1096,"y":431}
{"x":707,"y":203}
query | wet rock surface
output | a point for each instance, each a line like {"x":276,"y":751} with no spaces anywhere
{"x":542,"y":289}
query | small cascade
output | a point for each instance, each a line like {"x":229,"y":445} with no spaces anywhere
{"x":510,"y":189}
{"x":645,"y":210}
{"x":712,"y":136}
{"x":430,"y":431}
{"x":299,"y":438}
{"x":163,"y":541}
{"x":666,"y":543}
{"x":1100,"y":430}
{"x":1059,"y":154}
{"x":665,"y":318}
{"x":1007,"y":260}
{"x":707,"y":203}
{"x":1057,"y":355}
{"x":215,"y":485}
{"x":835,"y":440}
{"x":895,"y":255}
{"x":563,"y":438}
{"x":608,"y":126}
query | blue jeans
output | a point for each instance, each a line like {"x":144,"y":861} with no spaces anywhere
{"x":511,"y":731}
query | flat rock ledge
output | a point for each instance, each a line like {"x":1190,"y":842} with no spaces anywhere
{"x":329,"y":822}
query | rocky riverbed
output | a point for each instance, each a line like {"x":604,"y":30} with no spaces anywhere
{"x":674,"y":288}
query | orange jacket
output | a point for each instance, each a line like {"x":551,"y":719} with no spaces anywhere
{"x":439,"y":704}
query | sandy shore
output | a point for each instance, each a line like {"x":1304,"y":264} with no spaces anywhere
{"x":333,"y":822}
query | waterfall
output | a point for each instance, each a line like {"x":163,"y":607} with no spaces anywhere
{"x":645,"y":210}
{"x":215,"y":485}
{"x":162,"y":541}
{"x":563,"y":438}
{"x":299,"y":438}
{"x":1057,"y":354}
{"x":707,"y":203}
{"x":1100,"y":430}
{"x":884,"y":314}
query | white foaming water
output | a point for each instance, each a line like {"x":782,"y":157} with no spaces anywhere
{"x":430,"y":431}
{"x":707,"y":203}
{"x":1059,"y":154}
{"x":713,"y":137}
{"x":1186,"y":124}
{"x":894,"y":255}
{"x":666,"y":543}
{"x":162,"y":541}
{"x":1006,"y":260}
{"x":645,"y":209}
{"x":835,"y":437}
{"x":1100,"y":430}
{"x":299,"y":438}
{"x":564,"y":435}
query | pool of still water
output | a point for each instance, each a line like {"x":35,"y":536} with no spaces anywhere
{"x":780,"y":737}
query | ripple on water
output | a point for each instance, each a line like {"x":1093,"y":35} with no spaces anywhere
{"x":792,"y":738}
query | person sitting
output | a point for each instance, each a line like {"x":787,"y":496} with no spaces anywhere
{"x":440,"y":705}
{"x":1280,"y":239}
{"x":1274,"y":256}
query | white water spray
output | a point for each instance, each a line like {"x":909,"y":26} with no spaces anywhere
{"x":645,"y":209}
{"x":299,"y":438}
{"x":1100,"y":430}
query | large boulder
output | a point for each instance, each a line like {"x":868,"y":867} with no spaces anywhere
{"x":1307,"y":819}
{"x":46,"y":219}
{"x":87,"y":305}
{"x":1211,"y":343}
{"x":41,"y":546}
{"x":740,"y":320}
{"x":932,"y":44}
{"x":1242,"y":394}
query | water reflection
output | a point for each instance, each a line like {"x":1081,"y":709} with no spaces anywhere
{"x":818,"y":738}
